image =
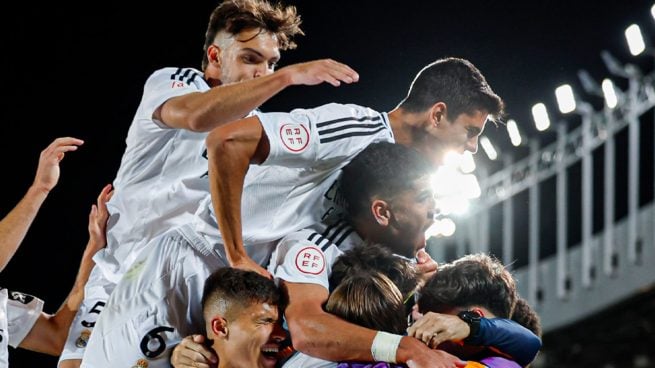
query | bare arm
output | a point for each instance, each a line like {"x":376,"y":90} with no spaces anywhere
{"x":203,"y":111}
{"x":230,"y":150}
{"x":15,"y":225}
{"x":323,"y":335}
{"x":49,"y":333}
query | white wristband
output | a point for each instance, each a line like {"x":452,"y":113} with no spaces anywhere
{"x":385,"y":346}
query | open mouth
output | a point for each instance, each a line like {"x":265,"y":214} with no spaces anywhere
{"x":270,"y":351}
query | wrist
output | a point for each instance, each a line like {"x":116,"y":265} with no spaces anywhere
{"x":473,"y":320}
{"x":385,"y":347}
{"x":407,"y":348}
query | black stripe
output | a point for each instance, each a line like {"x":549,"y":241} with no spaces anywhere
{"x":329,"y":228}
{"x":357,"y":126}
{"x":347,"y":135}
{"x":318,"y":241}
{"x":344,"y":236}
{"x":311,"y":237}
{"x":324,"y":123}
{"x":340,"y":229}
{"x":190,"y":80}
{"x":179,"y":70}
{"x":185,"y":75}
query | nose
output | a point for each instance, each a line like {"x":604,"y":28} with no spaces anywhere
{"x":472,"y":145}
{"x":278,"y":334}
{"x":262,"y":69}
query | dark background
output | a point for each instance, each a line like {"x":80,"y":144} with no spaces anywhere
{"x":79,"y":71}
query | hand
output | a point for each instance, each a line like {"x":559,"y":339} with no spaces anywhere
{"x":416,"y":355}
{"x":47,"y":173}
{"x":191,"y":352}
{"x":319,"y":71}
{"x":444,"y":360}
{"x":249,"y":265}
{"x":98,"y":219}
{"x":435,"y":328}
{"x":426,"y":266}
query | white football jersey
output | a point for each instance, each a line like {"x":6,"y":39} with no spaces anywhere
{"x":162,"y":177}
{"x":18,"y":314}
{"x":296,"y":186}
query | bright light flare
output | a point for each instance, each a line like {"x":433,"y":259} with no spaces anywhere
{"x":513,"y":131}
{"x":488,"y":148}
{"x":540,"y":116}
{"x":609,"y":93}
{"x":635,"y":39}
{"x":565,"y":98}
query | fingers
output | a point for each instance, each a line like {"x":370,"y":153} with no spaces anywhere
{"x":192,"y":353}
{"x":61,"y":145}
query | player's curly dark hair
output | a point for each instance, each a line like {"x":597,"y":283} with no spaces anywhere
{"x":234,"y":16}
{"x":473,"y":280}
{"x":382,"y":170}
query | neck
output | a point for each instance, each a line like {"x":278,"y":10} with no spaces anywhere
{"x":405,"y":125}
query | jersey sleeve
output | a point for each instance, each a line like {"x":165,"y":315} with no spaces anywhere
{"x":299,"y":259}
{"x":507,"y":337}
{"x":22,"y":312}
{"x":324,"y":137}
{"x":167,"y":83}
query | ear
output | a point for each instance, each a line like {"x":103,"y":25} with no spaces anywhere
{"x":479,"y":311}
{"x":381,"y":212}
{"x":219,"y":327}
{"x":438,"y":113}
{"x":214,"y":55}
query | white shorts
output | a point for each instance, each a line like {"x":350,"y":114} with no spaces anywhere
{"x":156,"y":303}
{"x":96,"y":294}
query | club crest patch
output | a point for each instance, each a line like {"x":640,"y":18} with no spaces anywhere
{"x":20,"y":297}
{"x":310,"y":260}
{"x":83,"y":339}
{"x":141,"y":363}
{"x":295,"y":137}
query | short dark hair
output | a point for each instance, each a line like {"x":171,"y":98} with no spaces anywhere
{"x":527,"y":317}
{"x":370,"y":299}
{"x":230,"y":289}
{"x":457,"y":83}
{"x":234,"y":16}
{"x":473,"y":280}
{"x":375,"y":257}
{"x":382,"y":170}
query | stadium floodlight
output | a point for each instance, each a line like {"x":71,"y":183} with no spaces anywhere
{"x":635,"y":39}
{"x":609,"y":93}
{"x":565,"y":98}
{"x":513,"y":131}
{"x":488,"y":148}
{"x":589,"y":84}
{"x":540,"y":116}
{"x":652,"y":11}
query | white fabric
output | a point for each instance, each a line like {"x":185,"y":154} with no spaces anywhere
{"x":293,"y":190}
{"x":159,"y":185}
{"x":156,"y":303}
{"x":18,"y":314}
{"x":307,"y":361}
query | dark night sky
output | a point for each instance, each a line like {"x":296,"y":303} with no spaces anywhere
{"x":82,"y":75}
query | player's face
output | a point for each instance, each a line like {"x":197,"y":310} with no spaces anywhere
{"x":250,"y":54}
{"x":411,"y":216}
{"x":459,"y":135}
{"x":254,"y":337}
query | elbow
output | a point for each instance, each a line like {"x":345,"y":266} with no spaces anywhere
{"x":196,"y":123}
{"x":218,"y":143}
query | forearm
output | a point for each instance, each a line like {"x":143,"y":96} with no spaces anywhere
{"x":509,"y":338}
{"x":220,"y":105}
{"x":15,"y":225}
{"x":227,"y":171}
{"x":328,"y":337}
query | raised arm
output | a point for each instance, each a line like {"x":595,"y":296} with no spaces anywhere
{"x":326,"y":336}
{"x":49,"y":333}
{"x":203,"y":111}
{"x":15,"y":225}
{"x":230,"y":150}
